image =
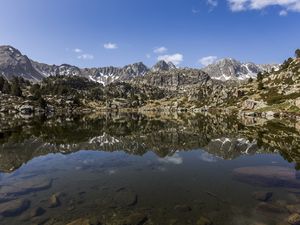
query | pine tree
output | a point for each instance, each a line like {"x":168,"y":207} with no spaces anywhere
{"x":297,"y":53}
{"x":6,"y":89}
{"x":15,"y":88}
{"x":42,"y":102}
{"x":260,"y":86}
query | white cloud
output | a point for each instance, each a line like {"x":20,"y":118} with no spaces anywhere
{"x":77,"y":50}
{"x":175,"y":58}
{"x":283,"y":13}
{"x":286,"y":5}
{"x":174,"y":159}
{"x":205,"y":61}
{"x":110,"y":45}
{"x":148,"y":56}
{"x":160,"y":50}
{"x":212,"y":3}
{"x":86,"y":57}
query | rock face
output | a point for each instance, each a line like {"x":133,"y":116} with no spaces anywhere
{"x":175,"y":79}
{"x":231,"y":69}
{"x":13,"y":63}
{"x":267,"y":176}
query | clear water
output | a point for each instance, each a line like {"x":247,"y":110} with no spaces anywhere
{"x":137,"y":169}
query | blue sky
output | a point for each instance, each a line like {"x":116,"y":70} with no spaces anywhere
{"x":98,"y":33}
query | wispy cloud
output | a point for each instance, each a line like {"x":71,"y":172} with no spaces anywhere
{"x":148,"y":56}
{"x":176,"y":59}
{"x":195,"y":11}
{"x":212,"y":3}
{"x":207,"y":60}
{"x":110,"y":45}
{"x":160,"y":50}
{"x":77,"y":50}
{"x":286,"y":5}
{"x":86,"y":57}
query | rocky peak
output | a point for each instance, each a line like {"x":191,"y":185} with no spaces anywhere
{"x":13,"y":63}
{"x":136,"y":69}
{"x":163,"y":66}
{"x":231,"y":69}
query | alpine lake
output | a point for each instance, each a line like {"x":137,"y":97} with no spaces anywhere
{"x":149,"y":169}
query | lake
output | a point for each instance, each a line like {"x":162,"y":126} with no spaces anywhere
{"x":149,"y":169}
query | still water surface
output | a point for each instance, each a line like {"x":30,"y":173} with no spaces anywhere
{"x":137,"y":169}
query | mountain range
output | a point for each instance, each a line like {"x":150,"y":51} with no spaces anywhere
{"x":14,"y":63}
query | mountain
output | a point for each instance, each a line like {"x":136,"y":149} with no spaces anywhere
{"x":106,"y":75}
{"x":163,"y":66}
{"x":13,"y":63}
{"x":231,"y":69}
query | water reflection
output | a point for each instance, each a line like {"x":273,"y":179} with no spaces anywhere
{"x":148,"y":169}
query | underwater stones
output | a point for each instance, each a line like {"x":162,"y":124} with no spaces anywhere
{"x":203,"y":221}
{"x":262,"y":196}
{"x":183,"y":208}
{"x":267,"y":176}
{"x":80,"y":221}
{"x":135,"y":219}
{"x":120,"y":198}
{"x":293,"y":208}
{"x":294,"y":219}
{"x":14,"y":207}
{"x":265,"y":207}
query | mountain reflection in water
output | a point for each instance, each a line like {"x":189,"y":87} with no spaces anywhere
{"x":148,"y":169}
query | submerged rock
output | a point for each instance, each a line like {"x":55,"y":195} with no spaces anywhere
{"x":267,"y":176}
{"x":14,"y":207}
{"x":54,"y":201}
{"x":270,"y":208}
{"x":203,"y":221}
{"x":294,"y":219}
{"x":262,"y":196}
{"x":134,"y":219}
{"x":37,"y":212}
